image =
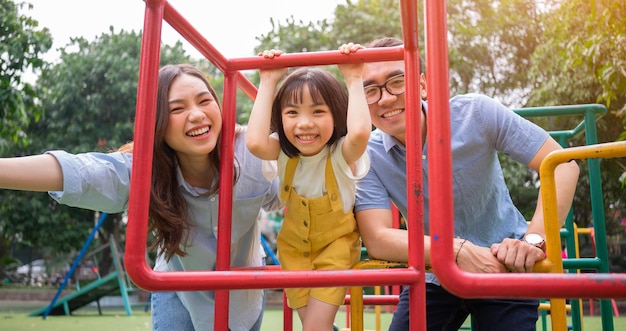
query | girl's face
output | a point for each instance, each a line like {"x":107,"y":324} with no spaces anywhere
{"x":308,"y":126}
{"x":195,"y":119}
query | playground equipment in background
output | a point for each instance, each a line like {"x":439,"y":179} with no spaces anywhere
{"x":555,"y":284}
{"x":591,"y":233}
{"x":115,"y":283}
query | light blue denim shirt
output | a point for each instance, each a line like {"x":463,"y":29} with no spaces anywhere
{"x":480,"y":128}
{"x":101,"y":182}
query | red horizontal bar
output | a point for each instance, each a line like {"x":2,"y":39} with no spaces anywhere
{"x":378,"y":300}
{"x":317,"y":58}
{"x":260,"y":279}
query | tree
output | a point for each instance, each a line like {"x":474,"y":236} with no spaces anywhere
{"x":88,"y":103}
{"x":295,"y":36}
{"x":90,"y":96}
{"x":581,"y":60}
{"x":22,"y":46}
{"x":491,"y":44}
{"x":362,"y":21}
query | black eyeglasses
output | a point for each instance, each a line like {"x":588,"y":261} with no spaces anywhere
{"x":393,"y":85}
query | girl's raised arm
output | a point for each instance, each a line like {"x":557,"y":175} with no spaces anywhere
{"x":31,"y":173}
{"x":359,"y":121}
{"x":258,"y":138}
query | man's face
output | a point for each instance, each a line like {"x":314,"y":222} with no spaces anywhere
{"x":388,"y":113}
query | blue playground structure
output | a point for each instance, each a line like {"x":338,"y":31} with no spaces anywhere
{"x":115,"y":283}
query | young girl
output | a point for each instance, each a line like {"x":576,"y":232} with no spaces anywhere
{"x":183,"y":200}
{"x":320,"y":136}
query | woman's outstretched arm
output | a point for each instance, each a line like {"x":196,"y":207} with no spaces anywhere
{"x":31,"y":173}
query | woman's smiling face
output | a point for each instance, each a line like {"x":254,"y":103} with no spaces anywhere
{"x":195,"y":119}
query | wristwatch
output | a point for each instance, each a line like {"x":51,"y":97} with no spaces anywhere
{"x":535,"y":240}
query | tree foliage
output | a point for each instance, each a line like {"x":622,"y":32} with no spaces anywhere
{"x":88,"y":103}
{"x":582,"y":60}
{"x":22,"y":45}
{"x":295,"y":36}
{"x":90,"y":95}
{"x":360,"y":22}
{"x":490,"y":47}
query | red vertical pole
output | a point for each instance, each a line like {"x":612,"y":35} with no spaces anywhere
{"x":139,"y":199}
{"x":225,"y":196}
{"x":415,"y":198}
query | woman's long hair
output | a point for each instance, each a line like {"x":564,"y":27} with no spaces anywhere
{"x":168,"y":214}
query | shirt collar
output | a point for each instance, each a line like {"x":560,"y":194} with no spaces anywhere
{"x":195,"y":191}
{"x":389,"y":142}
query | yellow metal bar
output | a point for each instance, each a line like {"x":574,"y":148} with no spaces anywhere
{"x":550,"y":212}
{"x":377,"y":308}
{"x":576,"y":244}
{"x":356,"y":308}
{"x":356,"y":293}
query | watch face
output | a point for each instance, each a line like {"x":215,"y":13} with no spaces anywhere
{"x":533,"y":239}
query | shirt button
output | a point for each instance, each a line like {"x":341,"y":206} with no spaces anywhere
{"x":304,"y":203}
{"x":333,"y":197}
{"x":212,"y":198}
{"x":306,"y":254}
{"x":305,"y":241}
{"x":305,"y":223}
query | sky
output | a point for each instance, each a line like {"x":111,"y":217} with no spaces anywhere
{"x":231,"y":26}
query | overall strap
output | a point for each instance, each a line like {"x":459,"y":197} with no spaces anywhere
{"x":331,"y":186}
{"x":290,"y":171}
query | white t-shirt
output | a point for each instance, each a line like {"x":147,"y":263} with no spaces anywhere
{"x":309,"y":181}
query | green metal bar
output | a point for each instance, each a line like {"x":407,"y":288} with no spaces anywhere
{"x":567,"y":110}
{"x":121,"y":276}
{"x":590,"y":263}
{"x":600,"y":262}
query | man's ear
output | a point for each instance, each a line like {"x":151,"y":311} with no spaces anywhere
{"x":423,"y":89}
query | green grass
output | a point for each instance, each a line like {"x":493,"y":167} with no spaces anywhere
{"x":14,"y":317}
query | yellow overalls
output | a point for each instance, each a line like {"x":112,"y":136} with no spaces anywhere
{"x":316,"y":235}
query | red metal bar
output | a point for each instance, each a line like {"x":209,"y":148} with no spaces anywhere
{"x":415,"y":197}
{"x":187,"y":31}
{"x":139,"y":199}
{"x":226,"y":195}
{"x":224,"y":279}
{"x":461,"y":283}
{"x":287,"y":314}
{"x":317,"y":58}
{"x":376,"y":300}
{"x":238,"y":280}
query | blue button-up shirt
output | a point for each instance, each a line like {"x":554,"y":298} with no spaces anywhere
{"x":101,"y":182}
{"x":480,"y":128}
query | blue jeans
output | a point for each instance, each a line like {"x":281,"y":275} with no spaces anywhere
{"x":447,"y":312}
{"x":168,"y":313}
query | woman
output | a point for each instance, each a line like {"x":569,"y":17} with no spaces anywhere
{"x":183,"y":200}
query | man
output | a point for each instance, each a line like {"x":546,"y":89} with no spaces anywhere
{"x":488,"y":227}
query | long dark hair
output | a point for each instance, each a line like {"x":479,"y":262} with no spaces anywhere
{"x":323,"y":87}
{"x":169,"y":216}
